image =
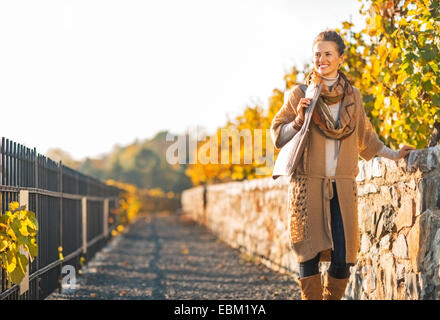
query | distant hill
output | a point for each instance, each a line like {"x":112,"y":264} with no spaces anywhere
{"x":142,"y":163}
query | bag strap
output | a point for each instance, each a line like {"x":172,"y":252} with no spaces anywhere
{"x":308,"y":112}
{"x":303,"y":88}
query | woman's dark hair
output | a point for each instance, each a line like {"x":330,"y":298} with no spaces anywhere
{"x":331,"y":35}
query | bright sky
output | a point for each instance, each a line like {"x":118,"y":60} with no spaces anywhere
{"x":84,"y":75}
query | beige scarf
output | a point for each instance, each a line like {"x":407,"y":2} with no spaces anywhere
{"x":342,"y":92}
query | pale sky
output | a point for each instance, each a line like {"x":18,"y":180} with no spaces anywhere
{"x":84,"y":75}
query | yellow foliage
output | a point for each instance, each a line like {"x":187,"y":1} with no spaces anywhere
{"x":60,"y":253}
{"x":129,"y":201}
{"x":18,"y":230}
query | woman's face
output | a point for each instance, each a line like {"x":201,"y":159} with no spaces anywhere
{"x":327,"y":58}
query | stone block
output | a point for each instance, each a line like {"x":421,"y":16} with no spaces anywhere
{"x":368,"y":170}
{"x":405,"y":214}
{"x":368,"y":279}
{"x":361,"y":175}
{"x":401,"y":291}
{"x":390,"y":281}
{"x":376,"y":170}
{"x":385,"y":193}
{"x":400,"y":271}
{"x":366,"y":189}
{"x":431,"y":192}
{"x":416,"y":160}
{"x":425,"y":160}
{"x":395,"y":196}
{"x":411,"y":184}
{"x":433,"y":158}
{"x":374,"y":253}
{"x":365,"y":243}
{"x":364,"y":296}
{"x":431,"y":263}
{"x":379,"y":294}
{"x":419,"y":198}
{"x":365,"y":217}
{"x":417,"y":240}
{"x":385,"y":221}
{"x":385,"y":242}
{"x":412,"y":286}
{"x":400,"y":248}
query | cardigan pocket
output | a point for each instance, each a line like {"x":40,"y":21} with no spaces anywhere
{"x":299,"y":229}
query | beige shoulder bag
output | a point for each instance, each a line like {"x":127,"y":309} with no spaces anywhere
{"x":290,"y":154}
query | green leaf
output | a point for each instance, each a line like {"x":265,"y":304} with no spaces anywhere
{"x":434,"y":9}
{"x":434,"y":66}
{"x":409,"y":57}
{"x":436,"y":99}
{"x":4,"y":259}
{"x":427,"y":86}
{"x":19,"y":272}
{"x":15,"y":226}
{"x":416,"y":78}
{"x":31,"y":216}
{"x":4,"y":219}
{"x":11,"y":261}
{"x":427,"y":54}
{"x":33,"y":248}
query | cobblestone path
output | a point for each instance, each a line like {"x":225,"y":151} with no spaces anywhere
{"x":163,"y":256}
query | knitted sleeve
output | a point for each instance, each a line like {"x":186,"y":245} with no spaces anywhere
{"x":388,"y":153}
{"x":368,"y":142}
{"x":285,"y":115}
{"x":287,"y":132}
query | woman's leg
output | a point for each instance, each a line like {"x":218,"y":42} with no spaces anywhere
{"x":309,"y":267}
{"x":310,"y":279}
{"x":338,"y":267}
{"x":339,"y":271}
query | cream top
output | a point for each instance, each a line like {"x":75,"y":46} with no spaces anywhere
{"x":332,"y":145}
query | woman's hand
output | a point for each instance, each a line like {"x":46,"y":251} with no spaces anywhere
{"x":404,"y":151}
{"x":303,"y":103}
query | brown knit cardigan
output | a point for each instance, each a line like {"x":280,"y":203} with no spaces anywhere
{"x":309,"y":191}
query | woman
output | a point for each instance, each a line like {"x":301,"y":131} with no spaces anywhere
{"x":323,"y":222}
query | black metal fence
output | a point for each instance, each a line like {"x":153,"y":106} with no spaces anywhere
{"x":72,"y":210}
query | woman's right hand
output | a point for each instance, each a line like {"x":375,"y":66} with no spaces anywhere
{"x":303,"y":103}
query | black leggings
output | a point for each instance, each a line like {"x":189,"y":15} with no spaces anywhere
{"x":339,"y":269}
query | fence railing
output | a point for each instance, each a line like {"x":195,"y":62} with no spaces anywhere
{"x":72,"y":210}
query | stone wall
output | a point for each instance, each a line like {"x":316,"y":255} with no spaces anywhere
{"x":399,"y":220}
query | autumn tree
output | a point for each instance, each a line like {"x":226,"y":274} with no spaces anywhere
{"x":394,"y":61}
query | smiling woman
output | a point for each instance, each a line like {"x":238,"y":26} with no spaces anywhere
{"x":322,"y":193}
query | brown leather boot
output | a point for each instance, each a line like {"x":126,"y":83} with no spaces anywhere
{"x":311,"y":287}
{"x":334,"y":288}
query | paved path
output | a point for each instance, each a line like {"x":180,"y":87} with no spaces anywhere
{"x":163,"y":256}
